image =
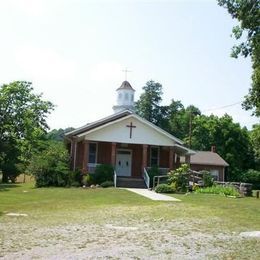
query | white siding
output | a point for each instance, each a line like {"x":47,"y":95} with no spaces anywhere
{"x":120,"y":133}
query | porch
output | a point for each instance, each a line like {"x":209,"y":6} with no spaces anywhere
{"x":128,"y":160}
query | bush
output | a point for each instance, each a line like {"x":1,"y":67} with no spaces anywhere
{"x":153,"y":171}
{"x":107,"y":184}
{"x":103,"y":172}
{"x":75,"y":184}
{"x":218,"y":189}
{"x":51,"y":166}
{"x":164,"y":188}
{"x":179,"y":178}
{"x":207,"y":179}
{"x":76,"y":176}
{"x":87,"y":179}
{"x":252,"y":176}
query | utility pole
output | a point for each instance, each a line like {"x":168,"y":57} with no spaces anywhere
{"x":190,"y":129}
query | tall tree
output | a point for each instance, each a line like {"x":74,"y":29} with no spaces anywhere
{"x":148,"y":106}
{"x":232,"y":142}
{"x":255,"y":139}
{"x":247,"y":12}
{"x":181,"y":118}
{"x":58,"y":134}
{"x":22,"y":123}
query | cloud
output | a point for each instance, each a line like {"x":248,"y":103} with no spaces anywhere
{"x":43,"y":63}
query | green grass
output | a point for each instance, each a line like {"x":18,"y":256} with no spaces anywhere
{"x":44,"y":201}
{"x":236,"y":213}
{"x":196,"y":213}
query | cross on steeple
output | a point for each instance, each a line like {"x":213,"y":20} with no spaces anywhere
{"x":125,"y":71}
{"x":131,"y":126}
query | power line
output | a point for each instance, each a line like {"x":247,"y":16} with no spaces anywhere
{"x":217,"y":108}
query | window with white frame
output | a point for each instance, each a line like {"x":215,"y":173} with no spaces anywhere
{"x":154,"y":156}
{"x":92,"y":155}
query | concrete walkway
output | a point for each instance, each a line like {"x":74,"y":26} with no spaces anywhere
{"x":152,"y":195}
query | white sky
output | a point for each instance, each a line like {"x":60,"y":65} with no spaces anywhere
{"x":74,"y":52}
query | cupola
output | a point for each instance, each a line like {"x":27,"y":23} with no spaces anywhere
{"x":125,"y":97}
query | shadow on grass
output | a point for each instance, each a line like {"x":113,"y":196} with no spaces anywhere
{"x":7,"y":187}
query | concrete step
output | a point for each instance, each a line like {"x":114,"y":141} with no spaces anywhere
{"x":130,"y":183}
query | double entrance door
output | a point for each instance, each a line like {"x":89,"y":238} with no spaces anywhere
{"x":124,"y":163}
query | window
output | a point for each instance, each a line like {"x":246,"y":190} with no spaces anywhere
{"x":120,"y":95}
{"x":126,"y":96}
{"x":214,"y":174}
{"x":92,"y":156}
{"x":154,"y":154}
{"x":132,"y":97}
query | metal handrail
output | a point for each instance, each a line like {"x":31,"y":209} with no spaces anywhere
{"x":146,"y":178}
{"x":115,"y":178}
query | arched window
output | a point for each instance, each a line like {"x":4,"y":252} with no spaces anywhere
{"x":126,"y":96}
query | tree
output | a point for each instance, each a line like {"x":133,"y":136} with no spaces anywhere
{"x":22,"y":124}
{"x":58,"y":134}
{"x":232,"y":142}
{"x":181,"y":118}
{"x":148,"y":104}
{"x":248,"y":14}
{"x":255,"y":140}
{"x":51,"y":166}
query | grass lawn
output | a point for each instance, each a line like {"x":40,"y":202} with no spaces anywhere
{"x":77,"y":223}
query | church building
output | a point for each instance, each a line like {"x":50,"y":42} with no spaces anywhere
{"x":125,"y":140}
{"x":131,"y":144}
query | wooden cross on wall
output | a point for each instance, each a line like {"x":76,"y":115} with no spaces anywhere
{"x":131,"y":126}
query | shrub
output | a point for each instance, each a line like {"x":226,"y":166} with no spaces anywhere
{"x":87,"y":179}
{"x":50,"y":167}
{"x":218,"y":189}
{"x":207,"y":179}
{"x":153,"y":171}
{"x":252,"y":176}
{"x":107,"y":184}
{"x":77,"y":176}
{"x":164,"y":188}
{"x":103,"y":172}
{"x":179,"y":178}
{"x":75,"y":184}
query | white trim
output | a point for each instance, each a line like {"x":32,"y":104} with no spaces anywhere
{"x":189,"y":151}
{"x":158,"y":129}
{"x":98,"y":121}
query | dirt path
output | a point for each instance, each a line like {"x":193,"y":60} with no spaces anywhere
{"x":142,"y":239}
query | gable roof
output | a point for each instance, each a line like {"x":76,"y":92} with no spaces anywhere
{"x":115,"y":118}
{"x":207,"y":158}
{"x":98,"y":123}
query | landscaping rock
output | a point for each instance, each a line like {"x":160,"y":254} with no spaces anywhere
{"x":16,"y":214}
{"x":250,"y":234}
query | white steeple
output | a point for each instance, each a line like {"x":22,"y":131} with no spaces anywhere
{"x":125,"y":97}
